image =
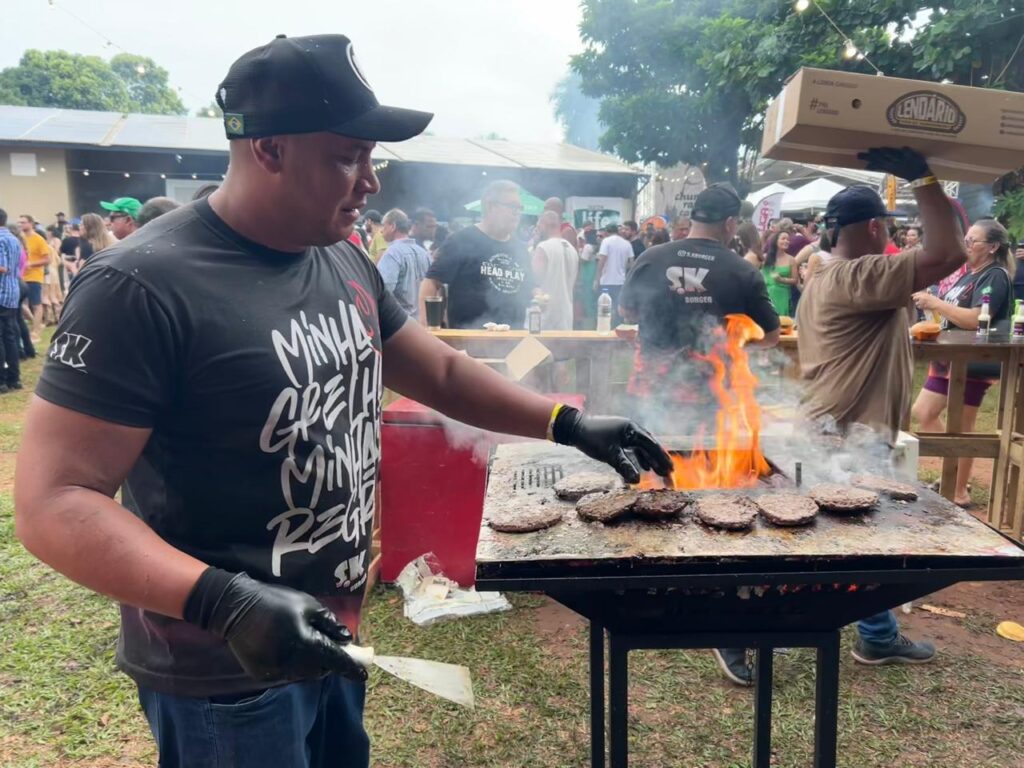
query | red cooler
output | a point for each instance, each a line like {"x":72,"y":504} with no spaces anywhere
{"x":432,"y":488}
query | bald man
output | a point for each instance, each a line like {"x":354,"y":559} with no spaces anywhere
{"x":568,"y":231}
{"x":555,"y":266}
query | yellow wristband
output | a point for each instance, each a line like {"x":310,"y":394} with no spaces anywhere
{"x":551,"y":422}
{"x":924,"y":181}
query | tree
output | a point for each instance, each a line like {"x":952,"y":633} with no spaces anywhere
{"x":577,"y":112}
{"x":688,"y":80}
{"x":210,"y":110}
{"x":147,"y":85}
{"x":66,"y":80}
{"x":62,"y":79}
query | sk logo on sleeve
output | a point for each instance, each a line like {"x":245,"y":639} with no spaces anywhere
{"x":69,"y":348}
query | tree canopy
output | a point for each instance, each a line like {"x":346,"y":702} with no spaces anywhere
{"x":577,"y":113}
{"x":128,"y":83}
{"x":688,"y":80}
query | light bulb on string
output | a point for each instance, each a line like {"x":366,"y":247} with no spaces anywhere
{"x":140,"y":69}
{"x":127,"y":175}
{"x":85,"y":172}
{"x":163,"y":175}
{"x":802,"y":5}
{"x":851,"y":50}
{"x":193,"y":176}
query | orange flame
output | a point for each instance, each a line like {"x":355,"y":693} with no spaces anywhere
{"x":735,"y":459}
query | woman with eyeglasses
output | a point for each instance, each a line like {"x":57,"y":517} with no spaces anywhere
{"x":990,"y":268}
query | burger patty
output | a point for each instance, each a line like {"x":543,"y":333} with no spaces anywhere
{"x":883,"y":485}
{"x":786,"y":509}
{"x":843,"y":498}
{"x":575,"y":487}
{"x":606,"y":507}
{"x":730,"y":513}
{"x":659,"y":504}
{"x":524,"y":520}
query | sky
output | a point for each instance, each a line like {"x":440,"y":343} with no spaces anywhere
{"x":480,"y":65}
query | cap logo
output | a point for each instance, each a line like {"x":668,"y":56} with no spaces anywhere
{"x":234,"y":123}
{"x":926,"y":111}
{"x":355,"y":67}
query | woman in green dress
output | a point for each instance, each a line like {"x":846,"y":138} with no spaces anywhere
{"x":779,"y":273}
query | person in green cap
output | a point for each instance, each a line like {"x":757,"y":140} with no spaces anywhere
{"x":123,"y":213}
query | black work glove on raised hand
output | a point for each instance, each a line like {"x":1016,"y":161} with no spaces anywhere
{"x":276,"y":633}
{"x":906,"y":163}
{"x":624,"y":445}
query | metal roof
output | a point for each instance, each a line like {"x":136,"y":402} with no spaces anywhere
{"x":80,"y":128}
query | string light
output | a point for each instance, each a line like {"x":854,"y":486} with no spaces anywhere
{"x":42,"y":170}
{"x":163,"y":175}
{"x":85,"y":172}
{"x":851,"y":50}
{"x":140,"y":69}
{"x":127,"y":175}
{"x":802,"y":5}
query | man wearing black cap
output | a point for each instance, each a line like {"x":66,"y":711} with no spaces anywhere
{"x":225,"y":365}
{"x":854,"y":327}
{"x":678,"y":292}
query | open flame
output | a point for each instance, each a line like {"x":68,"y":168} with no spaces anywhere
{"x":734,"y":459}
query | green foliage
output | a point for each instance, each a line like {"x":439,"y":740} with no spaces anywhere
{"x":210,"y":110}
{"x":688,"y":80}
{"x":577,"y":113}
{"x":147,"y":85}
{"x":128,"y":83}
{"x":1010,"y":209}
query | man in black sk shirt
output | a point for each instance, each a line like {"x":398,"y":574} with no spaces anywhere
{"x":679,"y":292}
{"x":225,"y":365}
{"x":485,"y":267}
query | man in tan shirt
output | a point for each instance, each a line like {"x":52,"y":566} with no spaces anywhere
{"x":854,"y":330}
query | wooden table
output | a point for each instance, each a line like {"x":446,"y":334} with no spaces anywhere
{"x":1005,"y":446}
{"x":592,"y":352}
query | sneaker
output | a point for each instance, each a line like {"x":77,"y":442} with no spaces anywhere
{"x":902,"y":650}
{"x":734,"y":664}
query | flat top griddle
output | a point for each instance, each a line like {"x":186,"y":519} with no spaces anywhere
{"x":929,"y":532}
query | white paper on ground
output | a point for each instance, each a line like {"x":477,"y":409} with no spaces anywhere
{"x":431,"y":596}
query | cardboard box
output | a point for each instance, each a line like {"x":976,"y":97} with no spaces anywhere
{"x":826,"y":117}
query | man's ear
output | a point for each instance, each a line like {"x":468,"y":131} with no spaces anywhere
{"x":268,"y":152}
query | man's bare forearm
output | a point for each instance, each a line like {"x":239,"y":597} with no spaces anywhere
{"x":944,"y":250}
{"x":99,"y":544}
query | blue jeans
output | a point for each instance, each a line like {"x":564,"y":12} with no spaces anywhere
{"x":880,"y":629}
{"x":313,"y":724}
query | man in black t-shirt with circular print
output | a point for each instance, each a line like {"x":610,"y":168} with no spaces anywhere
{"x":485,"y":267}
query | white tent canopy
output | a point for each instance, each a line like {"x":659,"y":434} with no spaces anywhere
{"x":758,"y":195}
{"x":812,"y":196}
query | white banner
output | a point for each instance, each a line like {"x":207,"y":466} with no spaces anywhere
{"x":768,"y":209}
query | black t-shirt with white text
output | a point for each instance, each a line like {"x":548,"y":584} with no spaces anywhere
{"x":992,"y":281}
{"x":488,"y":280}
{"x":259,"y":374}
{"x":676,"y":290}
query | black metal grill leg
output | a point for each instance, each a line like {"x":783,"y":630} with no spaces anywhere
{"x":826,"y":702}
{"x":618,"y":700}
{"x":763,"y":708}
{"x":597,"y":747}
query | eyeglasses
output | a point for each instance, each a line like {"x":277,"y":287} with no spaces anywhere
{"x":969,"y":241}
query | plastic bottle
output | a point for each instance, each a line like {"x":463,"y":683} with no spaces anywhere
{"x":604,"y":313}
{"x":1018,"y":321}
{"x":984,"y":318}
{"x":533,"y":317}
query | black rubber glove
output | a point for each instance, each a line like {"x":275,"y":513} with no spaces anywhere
{"x":621,"y":443}
{"x":906,"y":163}
{"x":275,"y":632}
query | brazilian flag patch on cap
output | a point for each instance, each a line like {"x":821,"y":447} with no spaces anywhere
{"x":234,"y":124}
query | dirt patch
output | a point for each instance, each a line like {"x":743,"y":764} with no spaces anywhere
{"x":986,"y":604}
{"x":554,"y":623}
{"x":981,"y":470}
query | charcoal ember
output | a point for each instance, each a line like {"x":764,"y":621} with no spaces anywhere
{"x":606,"y":507}
{"x":525,"y":519}
{"x":575,"y":487}
{"x":843,"y":498}
{"x":883,"y":485}
{"x":730,"y":513}
{"x":787,"y":509}
{"x":662,"y":503}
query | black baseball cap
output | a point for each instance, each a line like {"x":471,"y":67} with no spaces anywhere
{"x":716,"y":203}
{"x":373,"y":215}
{"x":306,"y":85}
{"x":852,"y":205}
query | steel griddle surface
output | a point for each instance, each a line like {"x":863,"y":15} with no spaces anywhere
{"x":901,"y":532}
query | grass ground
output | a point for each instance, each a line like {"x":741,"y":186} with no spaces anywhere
{"x":63,"y":704}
